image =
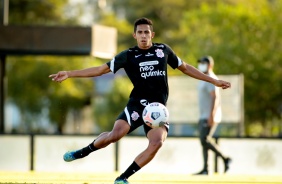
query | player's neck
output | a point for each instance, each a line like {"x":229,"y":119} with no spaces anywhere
{"x":142,"y":47}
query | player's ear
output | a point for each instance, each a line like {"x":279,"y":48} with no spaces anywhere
{"x":134,"y":35}
{"x":153,"y":34}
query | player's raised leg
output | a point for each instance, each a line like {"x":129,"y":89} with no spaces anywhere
{"x":120,"y":129}
{"x":156,"y":138}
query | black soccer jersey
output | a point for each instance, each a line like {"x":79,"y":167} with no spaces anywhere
{"x":147,"y":70}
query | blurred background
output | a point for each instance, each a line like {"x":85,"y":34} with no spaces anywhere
{"x":243,"y":37}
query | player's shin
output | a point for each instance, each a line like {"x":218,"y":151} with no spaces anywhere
{"x":85,"y":151}
{"x":133,"y":168}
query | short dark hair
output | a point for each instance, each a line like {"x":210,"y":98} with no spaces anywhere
{"x":143,"y":20}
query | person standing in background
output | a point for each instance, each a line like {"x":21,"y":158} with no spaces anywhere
{"x":210,"y":114}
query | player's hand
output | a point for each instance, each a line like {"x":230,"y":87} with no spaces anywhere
{"x":222,"y":84}
{"x":59,"y":77}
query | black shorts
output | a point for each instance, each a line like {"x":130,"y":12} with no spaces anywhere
{"x":132,"y":114}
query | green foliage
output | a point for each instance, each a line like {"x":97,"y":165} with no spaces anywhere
{"x":33,"y":92}
{"x":242,"y":39}
{"x":40,"y":12}
{"x":110,"y":105}
{"x":242,"y":36}
{"x":29,"y":87}
{"x":125,"y":30}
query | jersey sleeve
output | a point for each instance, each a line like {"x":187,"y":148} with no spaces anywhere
{"x":173,"y":60}
{"x":118,"y":61}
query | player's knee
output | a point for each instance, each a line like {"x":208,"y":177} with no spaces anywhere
{"x":155,"y":145}
{"x":115,"y":138}
{"x":116,"y":134}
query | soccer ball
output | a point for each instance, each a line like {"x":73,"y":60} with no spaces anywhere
{"x":155,"y":115}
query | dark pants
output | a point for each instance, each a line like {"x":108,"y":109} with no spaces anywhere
{"x":206,"y":133}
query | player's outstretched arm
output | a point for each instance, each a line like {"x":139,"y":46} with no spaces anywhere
{"x":195,"y":73}
{"x":88,"y":72}
{"x":222,"y":84}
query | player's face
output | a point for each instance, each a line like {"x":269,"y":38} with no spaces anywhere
{"x":144,"y":36}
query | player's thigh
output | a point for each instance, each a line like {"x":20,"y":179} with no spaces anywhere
{"x":121,"y":128}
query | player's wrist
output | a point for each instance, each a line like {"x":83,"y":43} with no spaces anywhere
{"x":68,"y":74}
{"x":215,"y":81}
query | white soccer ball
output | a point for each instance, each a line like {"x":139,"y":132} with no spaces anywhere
{"x":155,"y":115}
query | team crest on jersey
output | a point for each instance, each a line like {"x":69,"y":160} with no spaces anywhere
{"x":134,"y":116}
{"x":160,"y":53}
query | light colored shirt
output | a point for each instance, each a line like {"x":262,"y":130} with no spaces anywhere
{"x":205,"y":99}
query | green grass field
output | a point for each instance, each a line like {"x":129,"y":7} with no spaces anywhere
{"x":138,"y":178}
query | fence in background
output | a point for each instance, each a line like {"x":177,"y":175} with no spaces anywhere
{"x":178,"y":155}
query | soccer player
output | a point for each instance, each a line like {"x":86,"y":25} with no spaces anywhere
{"x":210,"y":113}
{"x":146,"y":67}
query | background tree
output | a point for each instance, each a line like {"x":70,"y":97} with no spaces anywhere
{"x":34,"y":94}
{"x":38,"y":94}
{"x":41,"y":12}
{"x":243,"y":37}
{"x":29,"y":87}
{"x":108,"y":106}
{"x":243,"y":42}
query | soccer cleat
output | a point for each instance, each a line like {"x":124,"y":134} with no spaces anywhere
{"x":202,"y":172}
{"x":227,"y":161}
{"x":69,"y":156}
{"x":121,"y":181}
